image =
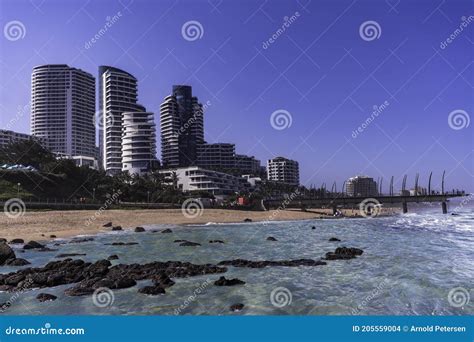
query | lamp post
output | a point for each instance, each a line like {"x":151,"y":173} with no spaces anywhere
{"x":18,"y":190}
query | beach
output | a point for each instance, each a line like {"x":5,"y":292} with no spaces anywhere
{"x":40,"y":225}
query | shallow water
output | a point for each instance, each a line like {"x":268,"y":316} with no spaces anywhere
{"x":410,"y":264}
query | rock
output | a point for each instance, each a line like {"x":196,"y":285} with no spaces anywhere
{"x":17,"y":241}
{"x":189,"y":244}
{"x":152,"y":290}
{"x":247,"y":220}
{"x":116,"y":228}
{"x":271,"y":238}
{"x":33,"y":245}
{"x":6,"y":253}
{"x":166,"y":231}
{"x":108,"y":224}
{"x":216,"y":241}
{"x":333,"y":239}
{"x":176,"y":241}
{"x":3,"y":240}
{"x":313,"y":227}
{"x":43,"y":297}
{"x":139,"y":229}
{"x":52,"y":236}
{"x":262,"y":264}
{"x":236,"y":307}
{"x":66,"y":255}
{"x":17,"y":262}
{"x":162,"y":280}
{"x":123,"y":283}
{"x":121,"y":243}
{"x":42,"y":234}
{"x":222,"y":281}
{"x":113,"y":257}
{"x":81,"y":240}
{"x":344,"y":253}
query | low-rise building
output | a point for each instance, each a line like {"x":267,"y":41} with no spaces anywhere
{"x":8,"y":137}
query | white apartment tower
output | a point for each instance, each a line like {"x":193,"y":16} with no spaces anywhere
{"x":283,"y":170}
{"x":62,"y":109}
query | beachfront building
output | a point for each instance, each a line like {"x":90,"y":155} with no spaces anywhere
{"x":7,"y":137}
{"x":217,"y":156}
{"x":283,"y":170}
{"x":247,"y":165}
{"x":195,"y":178}
{"x":182,"y":128}
{"x":138,"y":142}
{"x":62,"y":109}
{"x":117,"y":94}
{"x":361,"y":186}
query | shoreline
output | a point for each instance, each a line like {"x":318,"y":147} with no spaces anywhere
{"x":48,"y":225}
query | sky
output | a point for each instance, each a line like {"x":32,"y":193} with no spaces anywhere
{"x":345,"y":87}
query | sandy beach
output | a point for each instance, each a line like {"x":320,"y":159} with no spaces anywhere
{"x":40,"y":225}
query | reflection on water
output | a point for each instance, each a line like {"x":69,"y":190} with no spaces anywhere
{"x":409,"y":265}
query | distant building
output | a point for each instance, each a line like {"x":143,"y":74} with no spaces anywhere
{"x":194,"y":178}
{"x":247,"y":165}
{"x":282,"y":170}
{"x":182,"y":128}
{"x":63,"y":108}
{"x":419,"y":191}
{"x":138,"y":142}
{"x":117,"y":94}
{"x":8,"y":137}
{"x":361,"y":186}
{"x":217,"y":156}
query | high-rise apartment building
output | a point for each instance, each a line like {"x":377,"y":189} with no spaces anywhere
{"x":182,"y":128}
{"x":361,"y":186}
{"x":283,"y":170}
{"x":62,"y":109}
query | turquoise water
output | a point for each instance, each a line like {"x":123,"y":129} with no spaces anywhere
{"x":410,"y":264}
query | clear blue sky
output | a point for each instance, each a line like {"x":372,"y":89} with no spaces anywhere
{"x":319,"y":69}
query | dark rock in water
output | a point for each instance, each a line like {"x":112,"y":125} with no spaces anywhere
{"x":14,"y":279}
{"x":155,"y":231}
{"x":108,"y":224}
{"x":116,"y":228}
{"x":44,"y":297}
{"x":121,"y":243}
{"x":52,"y":236}
{"x":262,"y":264}
{"x":45,"y":249}
{"x":454,"y":214}
{"x":113,"y":257}
{"x":81,"y":240}
{"x":3,"y":240}
{"x":313,"y":227}
{"x":216,"y":241}
{"x":66,"y":255}
{"x":271,"y":238}
{"x":17,"y":262}
{"x":33,"y":245}
{"x":6,"y":253}
{"x":236,"y":307}
{"x":17,"y":241}
{"x":176,"y":241}
{"x":189,"y":244}
{"x":152,"y":290}
{"x":222,"y":281}
{"x":248,"y":220}
{"x":162,"y":280}
{"x":166,"y":231}
{"x":333,"y":239}
{"x":139,"y":229}
{"x":343,"y":253}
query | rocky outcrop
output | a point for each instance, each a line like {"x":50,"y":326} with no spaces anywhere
{"x":6,"y":253}
{"x":344,"y":253}
{"x":166,"y":231}
{"x":45,"y":297}
{"x":189,"y":244}
{"x":223,"y":281}
{"x":17,"y":262}
{"x":33,"y":245}
{"x":116,"y":228}
{"x":121,"y":243}
{"x":108,"y":224}
{"x":66,"y":255}
{"x":139,"y":229}
{"x":216,"y":241}
{"x":271,"y":238}
{"x":17,"y":241}
{"x":113,"y":257}
{"x":81,"y":240}
{"x":236,"y":307}
{"x":247,"y":220}
{"x":333,"y":239}
{"x":152,"y":290}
